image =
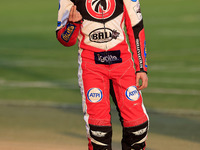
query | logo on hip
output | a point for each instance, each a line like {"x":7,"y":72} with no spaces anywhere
{"x":94,"y":95}
{"x":100,"y":9}
{"x":107,"y":57}
{"x":132,"y":93}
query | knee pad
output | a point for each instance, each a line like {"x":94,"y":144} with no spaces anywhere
{"x":101,"y":137}
{"x":134,"y":137}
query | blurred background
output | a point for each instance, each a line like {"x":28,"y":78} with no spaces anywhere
{"x":40,"y":102}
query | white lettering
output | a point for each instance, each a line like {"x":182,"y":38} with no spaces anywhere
{"x":108,"y":58}
{"x":98,"y":133}
{"x":139,"y":53}
{"x":140,"y":132}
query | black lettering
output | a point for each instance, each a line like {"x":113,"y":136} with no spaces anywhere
{"x":101,"y":35}
{"x":106,"y":35}
{"x":94,"y":36}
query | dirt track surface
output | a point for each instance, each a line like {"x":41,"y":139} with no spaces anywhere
{"x":32,"y":128}
{"x":156,"y":142}
{"x":10,"y":145}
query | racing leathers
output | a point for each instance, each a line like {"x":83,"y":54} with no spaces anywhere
{"x":106,"y":67}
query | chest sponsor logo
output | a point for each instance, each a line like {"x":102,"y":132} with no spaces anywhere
{"x":94,"y":95}
{"x":102,"y":35}
{"x":107,"y":57}
{"x":100,"y":9}
{"x":132,"y":93}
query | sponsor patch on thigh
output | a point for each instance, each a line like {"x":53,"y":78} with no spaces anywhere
{"x":132,"y":93}
{"x":94,"y":95}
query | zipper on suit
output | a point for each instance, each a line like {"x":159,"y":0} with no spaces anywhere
{"x":104,"y":26}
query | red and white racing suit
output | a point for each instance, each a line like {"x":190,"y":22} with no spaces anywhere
{"x":106,"y":67}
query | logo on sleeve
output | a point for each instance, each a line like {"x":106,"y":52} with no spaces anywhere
{"x":138,"y":11}
{"x":100,"y":9}
{"x":132,"y":93}
{"x":145,"y":54}
{"x":58,"y":23}
{"x":68,"y":32}
{"x":94,"y":95}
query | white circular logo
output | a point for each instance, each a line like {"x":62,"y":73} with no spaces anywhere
{"x":94,"y":95}
{"x":132,"y":93}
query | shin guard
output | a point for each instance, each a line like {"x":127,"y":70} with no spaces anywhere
{"x":100,"y":137}
{"x":134,"y":137}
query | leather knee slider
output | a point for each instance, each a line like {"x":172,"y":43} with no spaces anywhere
{"x":134,"y":137}
{"x":101,"y":137}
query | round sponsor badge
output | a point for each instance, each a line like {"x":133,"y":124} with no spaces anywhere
{"x":94,"y":95}
{"x":132,"y":93}
{"x":100,"y":9}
